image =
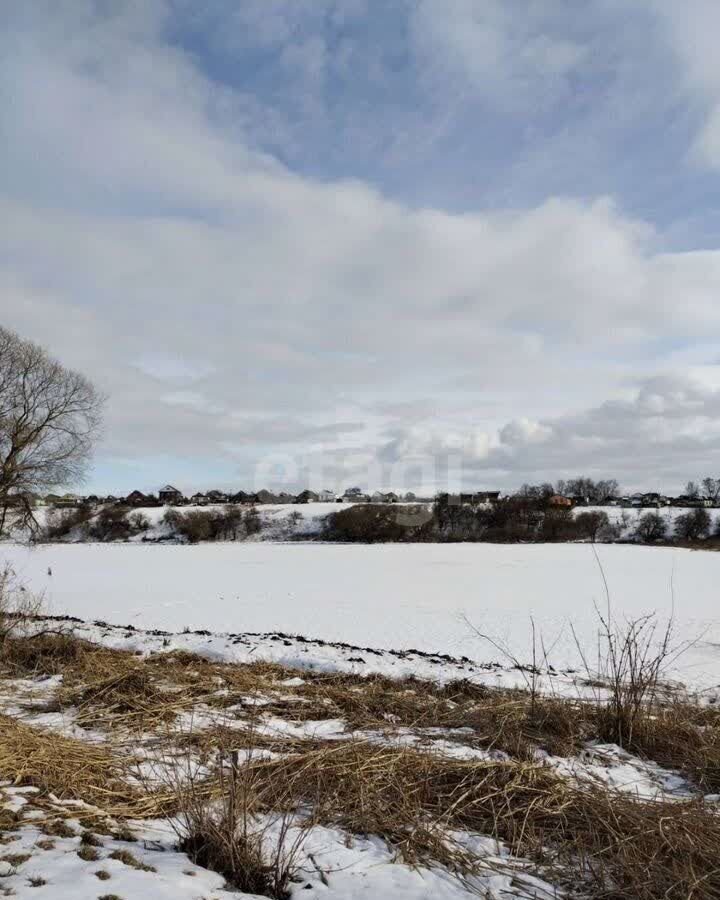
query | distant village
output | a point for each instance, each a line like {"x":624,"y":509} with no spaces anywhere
{"x":172,"y":496}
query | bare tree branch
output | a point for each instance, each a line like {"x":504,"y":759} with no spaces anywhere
{"x":49,"y":420}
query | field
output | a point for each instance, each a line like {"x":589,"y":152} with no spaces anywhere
{"x":332,"y":702}
{"x":424,"y":597}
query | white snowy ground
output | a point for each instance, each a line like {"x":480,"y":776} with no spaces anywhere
{"x":352,"y":868}
{"x":392,"y":596}
{"x":333,"y":864}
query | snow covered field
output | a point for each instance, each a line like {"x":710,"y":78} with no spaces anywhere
{"x":388,"y":596}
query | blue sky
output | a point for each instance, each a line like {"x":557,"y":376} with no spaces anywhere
{"x":324,"y":241}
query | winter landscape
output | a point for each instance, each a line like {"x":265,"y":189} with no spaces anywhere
{"x":359,"y":450}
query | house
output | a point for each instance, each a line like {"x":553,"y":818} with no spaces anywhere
{"x":379,"y":497}
{"x":217,"y":497}
{"x":479,"y":498}
{"x":263,"y":497}
{"x":654,"y":500}
{"x":326,"y":496}
{"x":137,"y":498}
{"x":487,"y":497}
{"x":170,"y":496}
{"x":66,"y":501}
{"x":306,"y":497}
{"x":355,"y":497}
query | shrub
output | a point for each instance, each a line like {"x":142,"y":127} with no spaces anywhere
{"x":61,"y":522}
{"x":252,"y":521}
{"x":139,"y":522}
{"x":111,"y":524}
{"x":592,"y":525}
{"x":559,"y":525}
{"x":694,"y":525}
{"x":227,"y":524}
{"x":17,"y":607}
{"x":651,"y":527}
{"x":228,"y":836}
{"x":198,"y":525}
{"x":511,"y":519}
{"x":374,"y":522}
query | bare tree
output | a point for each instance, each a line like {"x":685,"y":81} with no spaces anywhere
{"x":49,"y":418}
{"x":694,"y":525}
{"x":692,"y":490}
{"x":651,"y":527}
{"x":711,"y":489}
{"x":594,"y":491}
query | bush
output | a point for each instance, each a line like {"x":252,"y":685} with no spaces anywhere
{"x":374,"y":522}
{"x":111,"y":524}
{"x":693,"y":526}
{"x":651,"y":527}
{"x":18,"y":607}
{"x":511,"y":519}
{"x":199,"y":525}
{"x":592,"y":525}
{"x":229,"y":835}
{"x":61,"y":522}
{"x":559,"y":525}
{"x":252,"y":521}
{"x":139,"y":522}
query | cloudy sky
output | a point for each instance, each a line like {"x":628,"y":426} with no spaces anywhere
{"x":337,"y":241}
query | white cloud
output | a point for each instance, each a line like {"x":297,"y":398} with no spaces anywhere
{"x":507,"y":51}
{"x":691,"y":30}
{"x":232,"y":307}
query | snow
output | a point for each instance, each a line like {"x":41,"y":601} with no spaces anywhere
{"x":615,"y":768}
{"x":404,"y":597}
{"x":331,"y":864}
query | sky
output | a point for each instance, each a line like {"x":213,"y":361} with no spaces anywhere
{"x":415,"y":244}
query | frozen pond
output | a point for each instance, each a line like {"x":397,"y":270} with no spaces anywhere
{"x":394,"y":596}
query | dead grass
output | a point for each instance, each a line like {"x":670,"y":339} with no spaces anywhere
{"x":682,"y":737}
{"x":44,"y":654}
{"x":16,"y":859}
{"x":72,"y":770}
{"x":127,"y":859}
{"x":59,"y":765}
{"x":620,"y":846}
{"x":227,"y":834}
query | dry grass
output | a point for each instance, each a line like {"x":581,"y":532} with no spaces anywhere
{"x":225,"y":832}
{"x":128,"y":859}
{"x":55,"y":764}
{"x":621,"y":847}
{"x":73,"y":770}
{"x":42,"y":654}
{"x":683,"y":737}
{"x":508,"y":720}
